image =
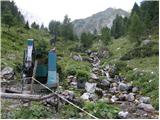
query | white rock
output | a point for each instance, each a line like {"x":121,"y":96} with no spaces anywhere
{"x":123,"y":114}
{"x":90,"y":87}
{"x":94,"y":76}
{"x":114,"y":98}
{"x":85,"y":96}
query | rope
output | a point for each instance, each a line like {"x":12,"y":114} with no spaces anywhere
{"x":66,"y":99}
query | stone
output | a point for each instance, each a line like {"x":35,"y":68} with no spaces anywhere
{"x":94,"y":76}
{"x":85,"y":96}
{"x":134,"y":89}
{"x":81,"y":85}
{"x":69,"y":94}
{"x":146,"y":100}
{"x":105,"y":82}
{"x":122,"y":114}
{"x":123,"y":86}
{"x":99,"y":92}
{"x":74,"y":84}
{"x":123,"y":97}
{"x":93,"y":97}
{"x":114,"y":84}
{"x":114,"y":98}
{"x":113,"y":90}
{"x":146,"y":42}
{"x":77,"y":57}
{"x":131,"y":97}
{"x":146,"y":107}
{"x":7,"y":73}
{"x":90,"y":87}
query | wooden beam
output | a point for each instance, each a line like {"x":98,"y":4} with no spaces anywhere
{"x":25,"y":96}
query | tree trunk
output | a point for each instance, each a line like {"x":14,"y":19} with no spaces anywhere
{"x":25,"y":96}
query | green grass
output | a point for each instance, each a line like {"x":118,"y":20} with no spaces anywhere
{"x":147,"y":66}
{"x":13,"y":44}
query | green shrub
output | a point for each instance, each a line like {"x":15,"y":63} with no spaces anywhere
{"x":142,"y":51}
{"x":70,"y":70}
{"x":102,"y":110}
{"x":37,"y":111}
{"x":82,"y":76}
{"x":122,"y":67}
{"x":68,"y":111}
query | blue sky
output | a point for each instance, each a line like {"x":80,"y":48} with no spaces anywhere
{"x":42,"y":11}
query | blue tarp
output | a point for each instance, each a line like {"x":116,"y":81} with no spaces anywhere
{"x":52,"y":75}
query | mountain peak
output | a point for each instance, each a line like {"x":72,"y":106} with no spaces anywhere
{"x":97,"y":21}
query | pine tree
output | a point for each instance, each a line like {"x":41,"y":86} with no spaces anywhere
{"x":27,"y":25}
{"x":105,"y":35}
{"x":135,"y":29}
{"x":118,"y":27}
{"x":8,"y":19}
{"x":136,"y":9}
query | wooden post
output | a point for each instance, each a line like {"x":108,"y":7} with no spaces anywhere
{"x":32,"y":81}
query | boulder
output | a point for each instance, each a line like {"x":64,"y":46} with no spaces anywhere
{"x":77,"y":57}
{"x":146,"y":107}
{"x":81,"y":85}
{"x":114,"y":98}
{"x":68,"y":94}
{"x":90,"y":87}
{"x":85,"y":96}
{"x":99,"y":92}
{"x":113,"y":90}
{"x":93,"y":97}
{"x":122,"y":114}
{"x":7,"y":73}
{"x":130,"y":97}
{"x":94,"y":76}
{"x":134,"y":89}
{"x":123,"y":97}
{"x":146,"y":100}
{"x":146,"y":42}
{"x":104,"y":84}
{"x":123,"y":87}
{"x":74,"y":84}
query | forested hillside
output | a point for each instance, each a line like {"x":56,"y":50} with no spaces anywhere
{"x":112,"y":73}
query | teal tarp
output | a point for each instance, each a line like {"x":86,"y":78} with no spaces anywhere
{"x":30,"y":42}
{"x":41,"y":70}
{"x":52,"y":77}
{"x":52,"y":61}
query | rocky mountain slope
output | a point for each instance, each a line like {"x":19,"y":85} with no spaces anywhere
{"x":97,"y":21}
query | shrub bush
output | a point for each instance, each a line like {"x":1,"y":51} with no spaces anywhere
{"x":37,"y":111}
{"x":102,"y":110}
{"x":142,"y":51}
{"x":82,"y":76}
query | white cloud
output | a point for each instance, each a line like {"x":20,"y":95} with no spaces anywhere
{"x":46,"y":10}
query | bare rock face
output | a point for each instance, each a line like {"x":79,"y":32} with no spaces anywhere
{"x":97,"y":21}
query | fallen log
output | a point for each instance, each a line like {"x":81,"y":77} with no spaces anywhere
{"x":25,"y":96}
{"x":12,"y":91}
